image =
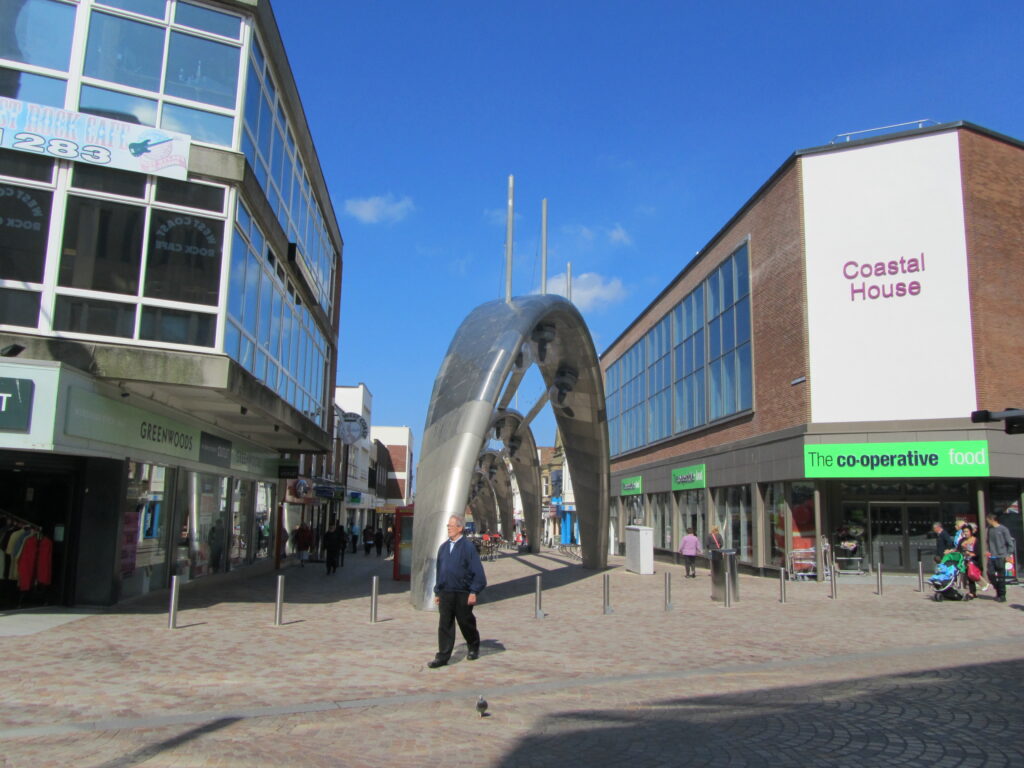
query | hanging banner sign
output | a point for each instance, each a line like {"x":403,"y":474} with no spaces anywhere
{"x":632,"y":486}
{"x":949,"y":458}
{"x":63,"y":135}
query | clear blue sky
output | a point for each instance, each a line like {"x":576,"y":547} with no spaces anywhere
{"x":645,"y":124}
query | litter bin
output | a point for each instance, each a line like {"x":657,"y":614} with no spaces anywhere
{"x":723,"y":566}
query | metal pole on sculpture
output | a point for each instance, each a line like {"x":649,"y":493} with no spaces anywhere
{"x":543,"y":246}
{"x":568,"y":281}
{"x":508,"y":238}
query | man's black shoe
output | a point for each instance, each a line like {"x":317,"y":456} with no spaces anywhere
{"x":435,"y":663}
{"x":1001,"y":599}
{"x":472,"y":655}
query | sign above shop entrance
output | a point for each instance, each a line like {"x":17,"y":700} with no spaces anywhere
{"x":632,"y":486}
{"x":16,"y":396}
{"x":951,"y":458}
{"x":689,"y":478}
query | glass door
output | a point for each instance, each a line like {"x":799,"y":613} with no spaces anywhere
{"x":887,"y":536}
{"x":920,"y":541}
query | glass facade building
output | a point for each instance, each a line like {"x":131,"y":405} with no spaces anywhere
{"x":168,"y":254}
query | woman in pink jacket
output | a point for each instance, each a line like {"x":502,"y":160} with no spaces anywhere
{"x":689,"y":548}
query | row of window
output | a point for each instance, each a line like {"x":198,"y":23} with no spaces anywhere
{"x":269,"y":144}
{"x":693,"y":367}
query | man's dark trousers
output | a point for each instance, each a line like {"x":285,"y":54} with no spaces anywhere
{"x":997,"y":574}
{"x":455,"y":607}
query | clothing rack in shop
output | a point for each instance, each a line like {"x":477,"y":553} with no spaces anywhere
{"x":18,"y":519}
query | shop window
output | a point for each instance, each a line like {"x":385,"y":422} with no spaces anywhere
{"x":19,"y":307}
{"x":692,"y":513}
{"x":801,"y":504}
{"x":37,"y":32}
{"x":202,"y":70}
{"x":25,"y":166}
{"x":176,"y":326}
{"x":736,"y":519}
{"x":190,"y":195}
{"x":24,"y":225}
{"x":124,"y":51}
{"x":102,"y":318}
{"x":102,"y":246}
{"x":661,"y":515}
{"x":38,"y":89}
{"x":117,"y":106}
{"x":241,"y":548}
{"x":146,"y":528}
{"x":109,"y":180}
{"x":184,"y":258}
{"x":775,"y":524}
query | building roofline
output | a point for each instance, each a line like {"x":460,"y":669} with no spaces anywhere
{"x":779,"y":172}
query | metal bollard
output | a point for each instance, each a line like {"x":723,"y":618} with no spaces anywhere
{"x":537,"y":612}
{"x":833,"y":581}
{"x":782,"y":585}
{"x":668,"y":591}
{"x":279,"y":605}
{"x":172,"y":617}
{"x":920,"y":576}
{"x":374,"y":589}
{"x":728,"y":586}
{"x":878,"y":578}
{"x":607,"y":594}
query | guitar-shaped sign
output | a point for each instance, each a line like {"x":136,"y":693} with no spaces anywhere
{"x":140,"y":148}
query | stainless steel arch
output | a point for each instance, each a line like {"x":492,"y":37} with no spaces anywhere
{"x":493,"y":466}
{"x":483,"y":504}
{"x":521,"y":449}
{"x":480,"y":359}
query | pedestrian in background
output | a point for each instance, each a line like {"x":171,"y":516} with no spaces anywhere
{"x":334,"y":542}
{"x":689,"y":548}
{"x":968,"y":545}
{"x":459,"y":579}
{"x":354,"y":533}
{"x":1000,"y":547}
{"x":303,"y":543}
{"x":378,"y":541}
{"x":389,"y":540}
{"x":367,"y":540}
{"x":714,"y":540}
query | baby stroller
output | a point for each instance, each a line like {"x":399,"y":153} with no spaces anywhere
{"x":947,"y":580}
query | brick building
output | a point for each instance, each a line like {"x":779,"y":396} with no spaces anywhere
{"x":805,"y":382}
{"x":400,"y":450}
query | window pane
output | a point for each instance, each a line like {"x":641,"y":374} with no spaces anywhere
{"x":236,"y":280}
{"x":183,"y":262}
{"x":177,"y":327}
{"x":252,"y":293}
{"x":19,"y":307}
{"x":252,"y":100}
{"x":117,"y":106}
{"x":742,"y":272}
{"x":102,"y":245}
{"x":124,"y":51}
{"x":154,"y":8}
{"x":103,"y":318}
{"x":25,"y":166}
{"x":716,"y":389}
{"x":202,"y":70}
{"x":715,"y":338}
{"x":728,"y":330}
{"x":24,"y":225}
{"x":743,"y":320}
{"x":37,"y":89}
{"x":201,"y":126}
{"x":729,"y":384}
{"x":190,"y":195}
{"x":42,"y":32}
{"x":713,"y":295}
{"x":112,"y":180}
{"x":211,"y":21}
{"x":232,"y":339}
{"x":746,"y":384}
{"x":728,"y":293}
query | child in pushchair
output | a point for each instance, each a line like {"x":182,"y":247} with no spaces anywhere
{"x":948,"y":578}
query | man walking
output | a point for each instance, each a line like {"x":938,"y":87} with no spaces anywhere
{"x":1000,"y":547}
{"x":460,"y":578}
{"x":943,"y":541}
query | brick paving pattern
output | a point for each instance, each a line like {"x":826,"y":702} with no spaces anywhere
{"x":861,"y":681}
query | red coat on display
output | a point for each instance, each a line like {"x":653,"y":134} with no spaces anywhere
{"x":44,"y":562}
{"x":27,"y":564}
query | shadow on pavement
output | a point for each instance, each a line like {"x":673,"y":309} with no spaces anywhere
{"x":154,"y":750}
{"x":967,"y":715}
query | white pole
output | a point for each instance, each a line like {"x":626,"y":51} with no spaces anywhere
{"x":544,"y":246}
{"x":568,"y":281}
{"x":508,"y":239}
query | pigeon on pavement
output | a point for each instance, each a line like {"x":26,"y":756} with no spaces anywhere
{"x":481,"y":706}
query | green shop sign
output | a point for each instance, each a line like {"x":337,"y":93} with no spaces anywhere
{"x":632,"y":486}
{"x":952,"y":458}
{"x":16,"y":397}
{"x":689,"y":478}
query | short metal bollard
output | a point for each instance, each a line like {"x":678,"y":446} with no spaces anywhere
{"x":878,"y":579}
{"x":920,"y":576}
{"x":607,"y":594}
{"x":538,"y":613}
{"x":833,"y":581}
{"x":279,"y":604}
{"x":374,"y":590}
{"x":782,"y":585}
{"x":668,"y":591}
{"x":172,"y":614}
{"x":728,"y":589}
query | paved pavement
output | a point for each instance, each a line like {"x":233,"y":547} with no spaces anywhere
{"x":858,"y":681}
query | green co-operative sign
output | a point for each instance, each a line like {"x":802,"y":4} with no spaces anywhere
{"x":950,"y":458}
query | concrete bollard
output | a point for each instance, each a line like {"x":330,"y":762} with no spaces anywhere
{"x":279,"y":603}
{"x":172,"y":614}
{"x":374,"y":591}
{"x":538,"y":613}
{"x":668,"y":591}
{"x":782,"y":585}
{"x":607,"y":594}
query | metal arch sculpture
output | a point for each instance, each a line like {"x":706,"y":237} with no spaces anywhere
{"x":493,"y":466}
{"x":521,"y":450}
{"x":482,"y":503}
{"x":495,"y":344}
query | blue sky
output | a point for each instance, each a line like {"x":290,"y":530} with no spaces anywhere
{"x":645,"y":124}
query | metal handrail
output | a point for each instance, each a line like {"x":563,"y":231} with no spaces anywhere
{"x":846,"y":136}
